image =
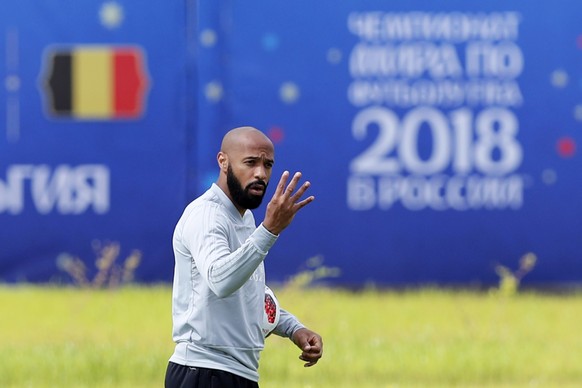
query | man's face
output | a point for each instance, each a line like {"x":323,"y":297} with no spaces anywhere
{"x":249,"y":197}
{"x":247,"y":161}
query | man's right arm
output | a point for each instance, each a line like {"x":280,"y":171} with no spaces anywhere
{"x":206,"y":236}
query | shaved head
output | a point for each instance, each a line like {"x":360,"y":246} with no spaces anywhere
{"x":244,"y":136}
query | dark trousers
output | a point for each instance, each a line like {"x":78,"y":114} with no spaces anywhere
{"x":181,"y":376}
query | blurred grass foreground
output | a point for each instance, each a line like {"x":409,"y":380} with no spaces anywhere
{"x":71,"y":337}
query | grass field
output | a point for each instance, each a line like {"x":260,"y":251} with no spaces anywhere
{"x":66,"y":337}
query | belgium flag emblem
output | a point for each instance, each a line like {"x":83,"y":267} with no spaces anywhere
{"x":91,"y":82}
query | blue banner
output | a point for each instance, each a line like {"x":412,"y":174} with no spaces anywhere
{"x":441,"y":139}
{"x":93,"y":143}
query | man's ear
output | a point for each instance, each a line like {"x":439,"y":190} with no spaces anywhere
{"x":222,"y":159}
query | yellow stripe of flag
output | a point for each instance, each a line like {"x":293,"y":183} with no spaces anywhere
{"x":92,"y":82}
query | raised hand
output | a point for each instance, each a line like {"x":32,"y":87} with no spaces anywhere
{"x":286,"y":202}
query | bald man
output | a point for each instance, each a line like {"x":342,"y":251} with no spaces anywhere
{"x":218,"y":300}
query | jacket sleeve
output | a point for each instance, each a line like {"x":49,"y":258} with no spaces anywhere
{"x":206,"y":235}
{"x":287,"y":325}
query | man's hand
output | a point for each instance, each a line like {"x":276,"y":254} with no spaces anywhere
{"x":311,"y":345}
{"x":285,"y":203}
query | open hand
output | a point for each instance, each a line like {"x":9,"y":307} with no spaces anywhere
{"x":286,"y":202}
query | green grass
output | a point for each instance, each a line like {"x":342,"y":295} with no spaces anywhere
{"x":65,"y":337}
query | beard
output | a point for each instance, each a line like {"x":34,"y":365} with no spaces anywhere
{"x":242,"y":197}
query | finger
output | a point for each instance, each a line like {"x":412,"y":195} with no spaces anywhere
{"x":309,"y":361}
{"x":293,"y":183}
{"x":281,"y":185}
{"x":310,"y":358}
{"x":317,"y":343}
{"x":313,"y":352}
{"x":313,"y":349}
{"x":301,"y":190}
{"x":305,"y":202}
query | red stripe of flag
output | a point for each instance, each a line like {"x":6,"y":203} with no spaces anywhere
{"x":129,"y":83}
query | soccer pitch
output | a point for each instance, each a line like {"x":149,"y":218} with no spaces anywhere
{"x":69,"y":337}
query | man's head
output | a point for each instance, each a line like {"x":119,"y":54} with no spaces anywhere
{"x":245,"y":159}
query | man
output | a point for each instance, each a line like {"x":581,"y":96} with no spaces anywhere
{"x":219,"y":278}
